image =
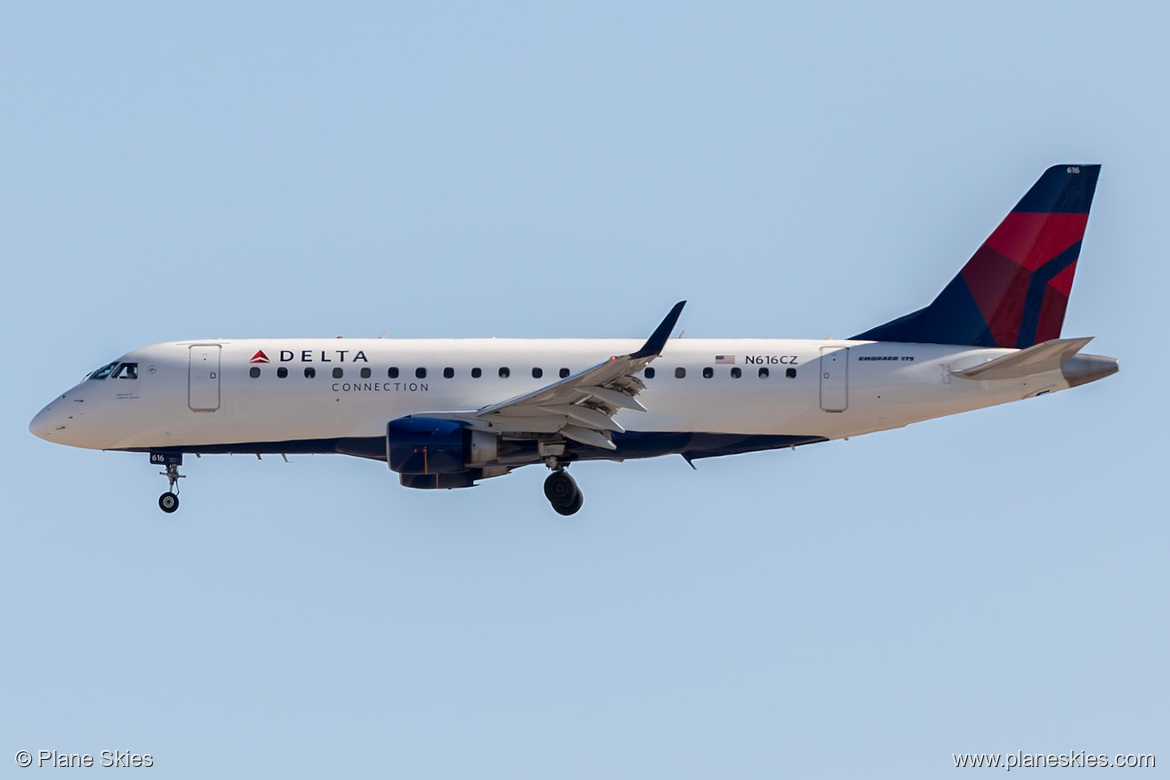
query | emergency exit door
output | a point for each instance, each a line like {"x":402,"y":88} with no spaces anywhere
{"x":834,"y":378}
{"x":203,"y":378}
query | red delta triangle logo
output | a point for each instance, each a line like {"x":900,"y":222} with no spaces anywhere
{"x":259,"y":357}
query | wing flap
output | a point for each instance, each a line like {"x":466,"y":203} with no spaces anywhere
{"x":587,"y":436}
{"x":590,"y":418}
{"x":614,"y":398}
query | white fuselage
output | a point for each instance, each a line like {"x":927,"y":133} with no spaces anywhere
{"x":189,"y":395}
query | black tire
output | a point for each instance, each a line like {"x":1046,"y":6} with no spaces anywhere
{"x":168,"y":502}
{"x":560,"y":489}
{"x":572,"y":508}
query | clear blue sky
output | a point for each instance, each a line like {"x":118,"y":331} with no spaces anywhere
{"x":992,"y":582}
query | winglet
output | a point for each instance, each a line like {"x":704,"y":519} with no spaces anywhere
{"x":654,"y":344}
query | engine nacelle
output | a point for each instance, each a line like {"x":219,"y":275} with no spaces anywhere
{"x":422,"y":445}
{"x":461,"y":479}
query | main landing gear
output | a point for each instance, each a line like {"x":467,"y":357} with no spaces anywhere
{"x":562,"y":492}
{"x":169,"y":501}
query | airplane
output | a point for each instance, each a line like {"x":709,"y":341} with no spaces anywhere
{"x":449,"y":413}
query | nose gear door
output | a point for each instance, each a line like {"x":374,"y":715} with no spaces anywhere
{"x":203,"y":378}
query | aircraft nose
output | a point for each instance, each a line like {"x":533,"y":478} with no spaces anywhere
{"x":46,"y":423}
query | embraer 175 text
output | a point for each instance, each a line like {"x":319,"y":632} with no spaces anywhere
{"x":446,"y":413}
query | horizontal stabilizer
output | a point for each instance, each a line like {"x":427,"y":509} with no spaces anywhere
{"x":1049,"y":356}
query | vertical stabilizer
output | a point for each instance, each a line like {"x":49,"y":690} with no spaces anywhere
{"x":1014,"y":290}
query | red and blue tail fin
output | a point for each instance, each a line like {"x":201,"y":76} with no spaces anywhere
{"x":1014,"y":290}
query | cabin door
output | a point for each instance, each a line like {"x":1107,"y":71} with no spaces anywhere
{"x":203,"y":378}
{"x":834,"y":378}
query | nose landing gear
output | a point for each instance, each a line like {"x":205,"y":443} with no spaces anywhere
{"x":169,"y":501}
{"x":562,"y":492}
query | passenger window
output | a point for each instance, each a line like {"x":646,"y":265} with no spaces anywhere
{"x":476,"y":372}
{"x":104,"y":371}
{"x":537,"y":373}
{"x":649,"y":372}
{"x":365,"y":373}
{"x":763,"y":373}
{"x":392,"y":372}
{"x":338,"y":373}
{"x":680,"y":373}
{"x":448,"y":372}
{"x":421,"y":373}
{"x":790,"y":373}
{"x":126,"y":371}
{"x":282,"y":372}
{"x":310,"y":372}
{"x":708,"y":372}
{"x":736,"y":373}
{"x":504,"y":373}
{"x":564,"y":372}
{"x":254,"y":371}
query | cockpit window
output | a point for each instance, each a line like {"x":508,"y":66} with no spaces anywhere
{"x":104,"y":371}
{"x":126,"y":371}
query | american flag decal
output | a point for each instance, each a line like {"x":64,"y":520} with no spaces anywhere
{"x":725,"y":359}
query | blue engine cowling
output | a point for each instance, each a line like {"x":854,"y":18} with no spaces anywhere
{"x":422,"y":445}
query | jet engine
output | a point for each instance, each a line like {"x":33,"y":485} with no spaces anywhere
{"x":423,"y":445}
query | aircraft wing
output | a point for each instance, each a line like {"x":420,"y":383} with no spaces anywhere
{"x":580,"y":407}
